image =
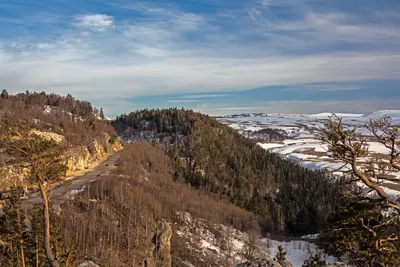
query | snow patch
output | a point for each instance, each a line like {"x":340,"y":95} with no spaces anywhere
{"x":74,"y":192}
{"x":298,"y":251}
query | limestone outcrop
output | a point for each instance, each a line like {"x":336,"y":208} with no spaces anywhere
{"x":78,"y":159}
{"x":88,"y":264}
{"x":159,"y":254}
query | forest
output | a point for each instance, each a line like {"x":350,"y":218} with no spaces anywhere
{"x":113,"y":221}
{"x":77,"y":120}
{"x":176,"y":161}
{"x":214,"y":158}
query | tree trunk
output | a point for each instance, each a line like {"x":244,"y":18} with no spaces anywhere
{"x":37,"y":251}
{"x":46,"y":223}
{"x":21,"y":240}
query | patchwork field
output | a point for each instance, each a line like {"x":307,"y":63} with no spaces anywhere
{"x":302,"y":140}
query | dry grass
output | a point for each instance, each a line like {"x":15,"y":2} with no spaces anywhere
{"x":114,"y":220}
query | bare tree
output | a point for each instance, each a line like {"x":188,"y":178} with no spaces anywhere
{"x":347,"y":144}
{"x":388,"y":135}
{"x":250,"y":247}
{"x":42,"y":158}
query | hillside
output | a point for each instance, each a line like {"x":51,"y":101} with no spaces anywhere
{"x":80,"y":130}
{"x":138,"y":216}
{"x":215,"y":158}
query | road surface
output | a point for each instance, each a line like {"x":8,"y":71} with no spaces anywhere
{"x":75,"y":184}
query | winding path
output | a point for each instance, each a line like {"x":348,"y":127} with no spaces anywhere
{"x":76,"y":183}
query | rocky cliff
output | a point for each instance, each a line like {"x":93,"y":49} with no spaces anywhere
{"x":159,"y":253}
{"x":81,"y":158}
{"x":77,"y":158}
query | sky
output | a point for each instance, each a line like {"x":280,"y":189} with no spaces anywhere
{"x":213,"y":56}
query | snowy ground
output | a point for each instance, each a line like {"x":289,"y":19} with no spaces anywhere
{"x":219,"y":242}
{"x":298,"y":251}
{"x":303,"y":139}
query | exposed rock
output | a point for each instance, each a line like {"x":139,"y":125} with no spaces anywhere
{"x":285,"y":263}
{"x":77,"y":159}
{"x":261,"y":262}
{"x":180,"y":263}
{"x":187,"y":264}
{"x":160,"y":252}
{"x":338,"y":264}
{"x":48,"y":136}
{"x":212,"y":244}
{"x":88,"y":264}
{"x":186,"y":217}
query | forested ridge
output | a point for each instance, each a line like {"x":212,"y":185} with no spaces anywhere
{"x":79,"y":129}
{"x":215,"y":158}
{"x":77,"y":120}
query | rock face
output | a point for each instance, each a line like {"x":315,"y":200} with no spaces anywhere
{"x":338,"y":264}
{"x":159,"y":255}
{"x":77,"y":159}
{"x":285,"y":264}
{"x":88,"y":264}
{"x":261,"y":262}
{"x":210,"y":244}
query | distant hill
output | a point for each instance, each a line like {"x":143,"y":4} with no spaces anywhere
{"x":78,"y":121}
{"x":215,"y":158}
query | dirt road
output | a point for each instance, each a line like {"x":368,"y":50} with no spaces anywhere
{"x":74,"y":185}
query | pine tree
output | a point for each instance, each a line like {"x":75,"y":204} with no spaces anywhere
{"x":366,"y":224}
{"x":101,"y":114}
{"x":43,"y":159}
{"x":4,"y":94}
{"x":281,"y":254}
{"x":12,"y":232}
{"x":315,"y":261}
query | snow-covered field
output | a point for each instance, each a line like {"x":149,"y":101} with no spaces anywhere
{"x":302,"y":133}
{"x":298,"y":251}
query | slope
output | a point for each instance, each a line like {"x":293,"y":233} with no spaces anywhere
{"x":80,"y":130}
{"x":215,"y":158}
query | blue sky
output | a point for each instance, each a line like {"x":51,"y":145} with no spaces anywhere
{"x":217,"y":57}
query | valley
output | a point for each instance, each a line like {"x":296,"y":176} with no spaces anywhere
{"x":302,"y":138}
{"x":185,"y":189}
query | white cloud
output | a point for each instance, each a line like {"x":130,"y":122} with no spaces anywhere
{"x":205,"y":96}
{"x":307,"y":107}
{"x":45,"y":46}
{"x":333,"y":87}
{"x":169,"y":51}
{"x":95,"y":22}
{"x":311,"y":29}
{"x":181,"y":101}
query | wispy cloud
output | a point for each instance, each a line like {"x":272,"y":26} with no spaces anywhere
{"x":205,"y":96}
{"x":95,"y":22}
{"x":311,"y":29}
{"x":333,"y":87}
{"x":307,"y":107}
{"x":149,"y":49}
{"x":181,"y":100}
